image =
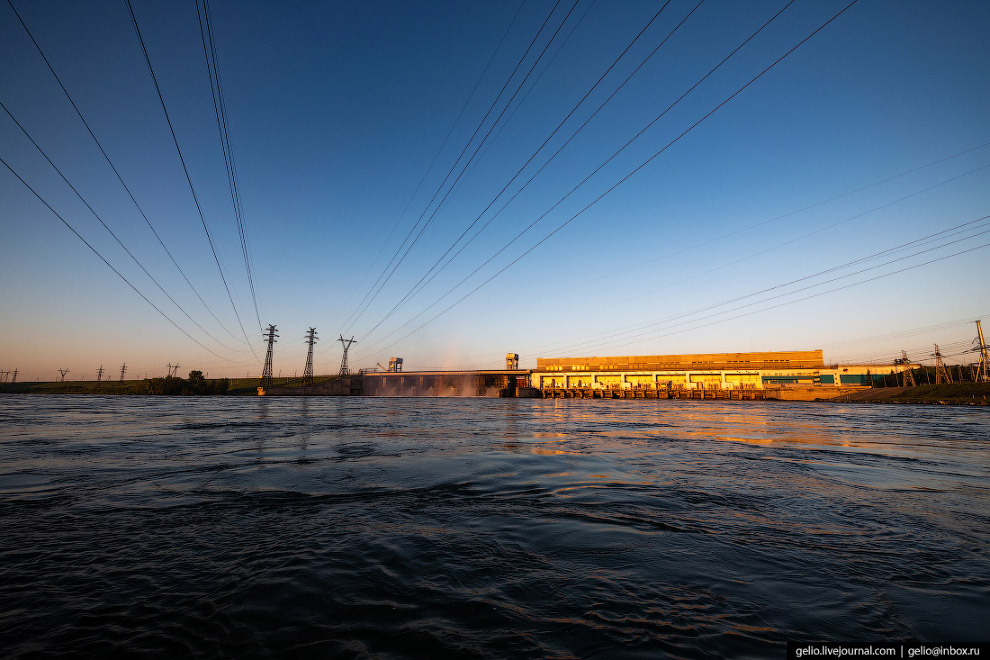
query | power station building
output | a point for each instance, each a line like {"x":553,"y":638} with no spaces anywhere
{"x":704,"y":371}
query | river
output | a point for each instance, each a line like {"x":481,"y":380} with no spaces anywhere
{"x":486,"y":528}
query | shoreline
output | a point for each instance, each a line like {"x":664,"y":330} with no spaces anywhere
{"x":962,"y":394}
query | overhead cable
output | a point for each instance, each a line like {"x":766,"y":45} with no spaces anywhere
{"x":443,"y":144}
{"x":105,"y":226}
{"x":114,"y":168}
{"x":413,"y":290}
{"x":219,"y":107}
{"x":109,"y":265}
{"x":952,"y":231}
{"x":624,"y":178}
{"x":185,"y":169}
{"x":466,"y":146}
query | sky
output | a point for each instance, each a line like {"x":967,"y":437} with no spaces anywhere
{"x":641,"y":177}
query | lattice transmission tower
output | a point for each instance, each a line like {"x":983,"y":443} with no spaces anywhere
{"x":99,"y":374}
{"x":346,"y":343}
{"x":311,"y":339}
{"x":266,"y":375}
{"x":983,"y":370}
{"x":62,"y":373}
{"x":941,"y":373}
{"x":907,"y":376}
{"x":123,"y":370}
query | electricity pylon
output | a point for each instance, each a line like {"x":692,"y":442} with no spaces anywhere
{"x":346,"y":343}
{"x":14,"y":379}
{"x":941,"y":373}
{"x":62,"y":372}
{"x":123,"y":370}
{"x":311,"y":339}
{"x":908,"y":375}
{"x":983,"y":370}
{"x":266,"y":375}
{"x":99,"y":374}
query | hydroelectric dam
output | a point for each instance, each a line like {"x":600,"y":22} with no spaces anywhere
{"x":781,"y":375}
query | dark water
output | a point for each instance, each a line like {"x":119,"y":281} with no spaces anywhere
{"x":395,"y":528}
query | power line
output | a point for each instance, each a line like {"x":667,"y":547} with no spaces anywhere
{"x":840,"y":288}
{"x":533,"y":85}
{"x":185,"y":170}
{"x":463,"y":151}
{"x":436,"y":156}
{"x":621,"y":181}
{"x":831,"y":226}
{"x":113,"y":167}
{"x":412,"y":291}
{"x":940,"y":235}
{"x":105,"y":226}
{"x":219,"y":107}
{"x":807,"y":277}
{"x":950,"y":231}
{"x":118,"y":273}
{"x":568,"y":141}
{"x":806,"y":208}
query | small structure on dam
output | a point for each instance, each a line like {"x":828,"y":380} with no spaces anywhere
{"x":491,"y":383}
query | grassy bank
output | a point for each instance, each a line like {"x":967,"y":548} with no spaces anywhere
{"x":951,"y":393}
{"x":236,"y":386}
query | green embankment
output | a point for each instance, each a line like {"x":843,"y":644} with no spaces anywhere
{"x":951,"y":393}
{"x":236,"y":386}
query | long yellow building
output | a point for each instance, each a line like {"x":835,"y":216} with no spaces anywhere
{"x":703,"y":371}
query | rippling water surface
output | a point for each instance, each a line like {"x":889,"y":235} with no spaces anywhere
{"x":394,"y":528}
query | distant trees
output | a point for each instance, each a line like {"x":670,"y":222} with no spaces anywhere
{"x":196,"y":384}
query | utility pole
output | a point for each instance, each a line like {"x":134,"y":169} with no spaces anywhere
{"x":123,"y":370}
{"x":346,"y":343}
{"x":311,"y":339}
{"x":14,"y":380}
{"x":983,"y":370}
{"x":941,"y":373}
{"x":169,"y":372}
{"x":266,"y":375}
{"x":3,"y":376}
{"x":63,"y":372}
{"x":99,"y":374}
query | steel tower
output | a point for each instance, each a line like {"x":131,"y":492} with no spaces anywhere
{"x":266,"y":375}
{"x":346,"y":343}
{"x":311,"y":339}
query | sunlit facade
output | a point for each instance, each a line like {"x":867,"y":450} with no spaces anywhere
{"x":718,"y":371}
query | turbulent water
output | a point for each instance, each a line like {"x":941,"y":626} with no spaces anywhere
{"x":490,"y":528}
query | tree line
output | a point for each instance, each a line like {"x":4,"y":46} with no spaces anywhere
{"x":196,"y":384}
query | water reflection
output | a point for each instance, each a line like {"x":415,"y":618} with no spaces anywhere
{"x":458,"y":527}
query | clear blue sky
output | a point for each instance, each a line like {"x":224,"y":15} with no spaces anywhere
{"x":867,"y":137}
